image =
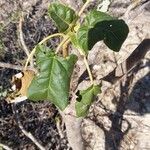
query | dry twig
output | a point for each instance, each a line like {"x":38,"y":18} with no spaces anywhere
{"x":5,"y":146}
{"x":15,"y":67}
{"x":58,"y":125}
{"x":27,"y":134}
{"x":26,"y":50}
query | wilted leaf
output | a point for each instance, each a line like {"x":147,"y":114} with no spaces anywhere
{"x":53,"y":81}
{"x":85,"y":99}
{"x":100,"y":26}
{"x":26,"y":81}
{"x":63,"y":16}
{"x":20,"y":84}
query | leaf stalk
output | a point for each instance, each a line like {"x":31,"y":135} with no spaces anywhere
{"x":88,"y":70}
{"x":40,"y":43}
{"x":83,"y":7}
{"x":87,"y":66}
{"x":63,"y":42}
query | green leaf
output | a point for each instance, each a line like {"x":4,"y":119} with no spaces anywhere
{"x":85,"y":99}
{"x":63,"y":16}
{"x":100,"y":26}
{"x":95,"y":16}
{"x":53,"y":81}
{"x":84,"y":1}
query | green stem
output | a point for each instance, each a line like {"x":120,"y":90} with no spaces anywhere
{"x":87,"y":66}
{"x":65,"y":48}
{"x":44,"y":40}
{"x":83,"y":7}
{"x":66,"y":38}
{"x":88,"y":70}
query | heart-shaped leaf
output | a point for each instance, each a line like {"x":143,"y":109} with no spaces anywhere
{"x":95,"y":16}
{"x":100,"y":26}
{"x":63,"y":16}
{"x":53,"y":81}
{"x":85,"y":99}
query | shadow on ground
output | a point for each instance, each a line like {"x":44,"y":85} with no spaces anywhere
{"x":138,"y":101}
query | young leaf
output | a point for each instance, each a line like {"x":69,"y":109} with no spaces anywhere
{"x":85,"y":99}
{"x":100,"y":26}
{"x":84,"y":1}
{"x":53,"y":81}
{"x":63,"y":16}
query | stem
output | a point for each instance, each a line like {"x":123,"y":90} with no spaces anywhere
{"x":26,"y":133}
{"x":15,"y":67}
{"x":61,"y":44}
{"x":88,"y":70}
{"x":51,"y":36}
{"x":44,"y":40}
{"x":87,"y":66}
{"x":21,"y":37}
{"x":83,"y":7}
{"x":65,"y":48}
{"x":22,"y":42}
{"x":4,"y":147}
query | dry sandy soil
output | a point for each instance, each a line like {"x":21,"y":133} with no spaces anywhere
{"x":120,"y":117}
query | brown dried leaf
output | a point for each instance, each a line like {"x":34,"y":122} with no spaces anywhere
{"x":25,"y":82}
{"x":20,"y":84}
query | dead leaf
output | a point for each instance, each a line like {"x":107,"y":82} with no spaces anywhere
{"x":25,"y":82}
{"x":20,"y":84}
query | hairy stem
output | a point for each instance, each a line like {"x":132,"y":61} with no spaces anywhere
{"x":88,"y":70}
{"x":15,"y":67}
{"x":3,"y":146}
{"x":22,"y":42}
{"x":44,"y":40}
{"x":80,"y":51}
{"x":83,"y":7}
{"x":87,"y":66}
{"x":65,"y":48}
{"x":63,"y":42}
{"x":26,"y":133}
